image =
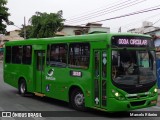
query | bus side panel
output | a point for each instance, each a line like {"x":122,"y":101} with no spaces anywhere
{"x":13,"y":72}
{"x":10,"y":75}
{"x":55,"y":86}
{"x":58,"y":86}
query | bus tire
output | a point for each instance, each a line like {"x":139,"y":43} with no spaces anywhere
{"x":22,"y":88}
{"x":77,"y":100}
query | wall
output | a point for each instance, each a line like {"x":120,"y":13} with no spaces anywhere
{"x":103,"y":29}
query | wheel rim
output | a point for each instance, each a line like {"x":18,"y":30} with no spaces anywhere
{"x":79,"y":99}
{"x":23,"y":88}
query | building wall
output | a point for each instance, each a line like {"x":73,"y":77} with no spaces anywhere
{"x":13,"y":35}
{"x":157,"y":33}
{"x":103,"y":29}
{"x":70,"y":30}
{"x":146,"y":27}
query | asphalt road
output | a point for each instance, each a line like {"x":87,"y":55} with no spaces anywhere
{"x":10,"y":100}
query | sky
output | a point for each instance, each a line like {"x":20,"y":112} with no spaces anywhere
{"x":81,"y":12}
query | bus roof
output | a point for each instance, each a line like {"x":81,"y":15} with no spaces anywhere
{"x":77,"y":38}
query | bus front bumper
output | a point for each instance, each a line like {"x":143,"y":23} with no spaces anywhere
{"x":125,"y":105}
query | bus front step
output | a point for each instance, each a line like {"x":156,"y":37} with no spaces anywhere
{"x":39,"y":94}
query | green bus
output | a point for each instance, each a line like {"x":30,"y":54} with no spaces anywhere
{"x":109,"y":72}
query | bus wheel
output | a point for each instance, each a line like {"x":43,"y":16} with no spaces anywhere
{"x":77,"y":100}
{"x":22,"y":88}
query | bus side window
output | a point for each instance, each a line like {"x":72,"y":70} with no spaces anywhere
{"x":27,"y":53}
{"x":8,"y":54}
{"x":97,"y":54}
{"x":17,"y":54}
{"x":58,"y":55}
{"x":48,"y":55}
{"x":79,"y":55}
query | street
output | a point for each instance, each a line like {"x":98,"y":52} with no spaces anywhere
{"x":10,"y":100}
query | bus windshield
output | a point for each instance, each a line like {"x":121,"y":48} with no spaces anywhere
{"x":133,"y":67}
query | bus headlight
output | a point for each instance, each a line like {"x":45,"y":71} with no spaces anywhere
{"x":155,"y":90}
{"x":116,"y":94}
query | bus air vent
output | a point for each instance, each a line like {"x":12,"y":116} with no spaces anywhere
{"x":137,"y":103}
{"x":136,"y":97}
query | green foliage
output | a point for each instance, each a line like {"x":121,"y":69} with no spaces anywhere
{"x":4,"y":16}
{"x":44,"y":25}
{"x":28,"y":31}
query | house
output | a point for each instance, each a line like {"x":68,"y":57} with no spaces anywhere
{"x":79,"y":30}
{"x":12,"y":35}
{"x":146,"y":28}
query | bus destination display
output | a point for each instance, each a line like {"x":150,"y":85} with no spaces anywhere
{"x":131,"y":41}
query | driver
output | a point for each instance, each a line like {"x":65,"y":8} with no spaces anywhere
{"x":128,"y":66}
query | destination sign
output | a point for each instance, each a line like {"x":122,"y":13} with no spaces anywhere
{"x":132,"y":41}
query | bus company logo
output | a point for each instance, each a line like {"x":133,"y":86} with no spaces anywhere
{"x":50,"y":72}
{"x":50,"y":75}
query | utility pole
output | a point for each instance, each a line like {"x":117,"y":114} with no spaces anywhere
{"x":119,"y":30}
{"x":24,"y":27}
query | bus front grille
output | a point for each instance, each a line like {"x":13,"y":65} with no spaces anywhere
{"x":136,"y":97}
{"x":137,"y":103}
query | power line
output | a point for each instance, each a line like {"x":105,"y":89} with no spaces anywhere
{"x":129,"y":14}
{"x":126,"y":26}
{"x":90,"y":11}
{"x":93,"y":12}
{"x":156,"y":21}
{"x":107,"y":10}
{"x":142,"y":31}
{"x":130,"y":24}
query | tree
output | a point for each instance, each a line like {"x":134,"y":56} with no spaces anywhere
{"x":28,"y":31}
{"x":44,"y":25}
{"x":4,"y":17}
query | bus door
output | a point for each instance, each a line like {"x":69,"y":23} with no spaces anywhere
{"x":39,"y":73}
{"x":100,"y":75}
